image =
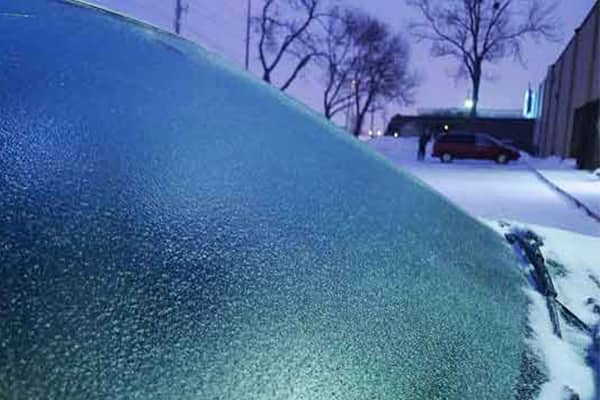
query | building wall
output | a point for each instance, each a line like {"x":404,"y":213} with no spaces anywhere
{"x":565,"y":94}
{"x":517,"y":130}
{"x":594,"y":69}
{"x":539,"y":138}
{"x":572,"y":82}
{"x":584,"y":69}
{"x":551,"y":119}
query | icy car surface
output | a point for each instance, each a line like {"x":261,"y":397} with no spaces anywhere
{"x":172,"y":228}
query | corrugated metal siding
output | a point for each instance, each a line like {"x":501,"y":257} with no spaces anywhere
{"x":544,"y":121}
{"x":538,"y":131}
{"x":564,"y":99}
{"x":555,"y":101}
{"x":584,"y":64}
{"x":596,"y":67}
{"x":574,"y":80}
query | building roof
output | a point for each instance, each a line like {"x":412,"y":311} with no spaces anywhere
{"x":461,"y":112}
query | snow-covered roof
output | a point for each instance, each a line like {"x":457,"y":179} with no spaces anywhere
{"x":461,"y":112}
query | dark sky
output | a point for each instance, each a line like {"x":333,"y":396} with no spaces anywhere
{"x":220,"y":25}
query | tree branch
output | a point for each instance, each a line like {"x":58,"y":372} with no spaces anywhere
{"x":296,"y":71}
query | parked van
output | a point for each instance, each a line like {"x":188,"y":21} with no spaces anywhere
{"x":473,"y":145}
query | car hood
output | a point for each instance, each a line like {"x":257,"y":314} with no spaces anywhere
{"x":172,"y":228}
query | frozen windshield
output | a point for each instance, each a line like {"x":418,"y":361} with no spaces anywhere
{"x":173,"y":229}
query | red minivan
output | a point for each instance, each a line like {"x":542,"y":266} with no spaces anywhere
{"x":473,"y":145}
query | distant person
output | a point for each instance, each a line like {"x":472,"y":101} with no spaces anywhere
{"x":424,"y":138}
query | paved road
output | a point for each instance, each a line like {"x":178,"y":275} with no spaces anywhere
{"x":491,"y":191}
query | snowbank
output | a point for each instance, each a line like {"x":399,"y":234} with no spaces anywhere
{"x":574,"y":264}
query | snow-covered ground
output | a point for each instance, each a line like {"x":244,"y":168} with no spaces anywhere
{"x":514,"y":192}
{"x":582,"y":185}
{"x":487,"y":190}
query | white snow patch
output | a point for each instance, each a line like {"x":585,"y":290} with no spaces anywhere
{"x":552,"y":162}
{"x":488,"y":190}
{"x":582,"y":185}
{"x":563,"y":173}
{"x":580,"y":255}
{"x":565,"y":359}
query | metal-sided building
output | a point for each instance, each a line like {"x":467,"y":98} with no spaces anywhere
{"x":569,"y":124}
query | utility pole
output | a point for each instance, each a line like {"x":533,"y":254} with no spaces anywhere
{"x":180,"y":9}
{"x":248,"y":21}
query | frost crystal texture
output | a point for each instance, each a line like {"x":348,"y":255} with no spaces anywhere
{"x":173,"y":229}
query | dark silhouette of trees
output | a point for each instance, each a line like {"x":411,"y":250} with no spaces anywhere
{"x":476,"y":32}
{"x":366,"y":66}
{"x":337,"y":62}
{"x":285,"y":29}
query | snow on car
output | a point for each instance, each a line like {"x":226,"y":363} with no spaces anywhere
{"x":514,"y":197}
{"x":571,"y":360}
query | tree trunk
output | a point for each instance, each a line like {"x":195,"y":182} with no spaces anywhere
{"x":305,"y":60}
{"x":267,"y":76}
{"x":358,"y":124}
{"x":476,"y":80}
{"x":326,"y":110}
{"x":362,"y":112}
{"x":358,"y":119}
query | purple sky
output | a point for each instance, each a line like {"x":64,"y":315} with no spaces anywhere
{"x":219,"y":26}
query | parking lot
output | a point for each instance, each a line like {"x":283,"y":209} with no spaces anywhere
{"x":487,"y":190}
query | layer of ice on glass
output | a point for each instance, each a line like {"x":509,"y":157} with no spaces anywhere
{"x":171,"y":228}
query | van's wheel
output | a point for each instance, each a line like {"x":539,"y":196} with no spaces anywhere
{"x":446,"y":157}
{"x":502,"y":159}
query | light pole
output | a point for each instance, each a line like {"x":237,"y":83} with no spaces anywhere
{"x":248,"y":22}
{"x":179,"y":11}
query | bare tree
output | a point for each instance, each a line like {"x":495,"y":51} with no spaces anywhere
{"x":476,"y":32}
{"x":337,"y":61}
{"x":380,"y":72}
{"x":366,"y":66}
{"x":284,"y":28}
